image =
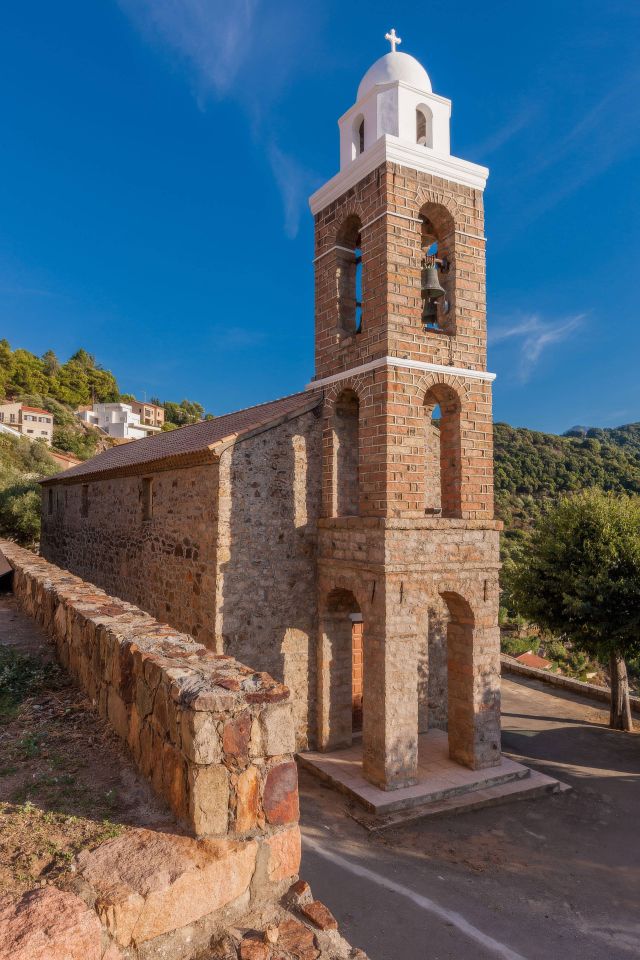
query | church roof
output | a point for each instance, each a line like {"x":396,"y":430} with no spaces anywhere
{"x":196,"y":442}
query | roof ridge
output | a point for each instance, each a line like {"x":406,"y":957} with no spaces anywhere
{"x":201,"y":438}
{"x":232,"y":413}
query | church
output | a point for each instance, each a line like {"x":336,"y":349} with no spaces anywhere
{"x":341,"y":539}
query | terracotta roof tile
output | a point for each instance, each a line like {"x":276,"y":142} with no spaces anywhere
{"x":533,"y":660}
{"x":187,"y":442}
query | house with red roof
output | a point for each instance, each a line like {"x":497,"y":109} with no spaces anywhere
{"x":32,"y":422}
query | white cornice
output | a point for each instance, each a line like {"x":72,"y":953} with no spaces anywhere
{"x":393,"y":149}
{"x":405,"y":364}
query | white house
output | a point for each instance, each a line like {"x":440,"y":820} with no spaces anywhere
{"x":117,"y":420}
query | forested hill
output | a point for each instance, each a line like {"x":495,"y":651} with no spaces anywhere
{"x":532,"y":467}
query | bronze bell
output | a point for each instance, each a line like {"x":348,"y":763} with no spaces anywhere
{"x":431,"y":288}
{"x":429,"y":313}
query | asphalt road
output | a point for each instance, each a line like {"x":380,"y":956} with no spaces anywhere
{"x":555,"y":877}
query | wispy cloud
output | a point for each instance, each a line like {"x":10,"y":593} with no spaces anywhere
{"x":238,"y":337}
{"x":520,"y":121}
{"x":236,"y":50}
{"x":606,"y":132}
{"x":213,"y":39}
{"x":535,"y":336}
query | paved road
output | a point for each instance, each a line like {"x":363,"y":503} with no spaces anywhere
{"x":557,"y":877}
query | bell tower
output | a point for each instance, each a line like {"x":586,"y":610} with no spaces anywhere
{"x":408,"y":538}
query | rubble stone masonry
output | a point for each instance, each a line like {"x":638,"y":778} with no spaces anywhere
{"x":228,"y":554}
{"x":215,"y":738}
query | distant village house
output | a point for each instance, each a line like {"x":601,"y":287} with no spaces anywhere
{"x":32,"y":422}
{"x":124,"y":421}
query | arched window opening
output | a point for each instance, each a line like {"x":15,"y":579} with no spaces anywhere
{"x":437,"y":280}
{"x":340,"y":676}
{"x":424,"y":127}
{"x":358,"y":284}
{"x":443,"y":476}
{"x":357,"y":137}
{"x":349,"y":277}
{"x":346,"y":455}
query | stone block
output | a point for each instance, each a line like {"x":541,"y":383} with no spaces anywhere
{"x":319,"y":915}
{"x":51,"y":924}
{"x":296,"y":939}
{"x":247,"y":800}
{"x":236,"y":737}
{"x":276,"y":732}
{"x":147,"y":883}
{"x":285,"y":852}
{"x":280,"y":797}
{"x":208,"y":790}
{"x":200,"y":737}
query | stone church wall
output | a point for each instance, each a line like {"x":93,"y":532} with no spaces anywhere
{"x":266,"y":580}
{"x":165,"y":564}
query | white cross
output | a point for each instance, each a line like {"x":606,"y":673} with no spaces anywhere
{"x":393,"y":39}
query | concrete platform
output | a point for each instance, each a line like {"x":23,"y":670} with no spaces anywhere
{"x":440,"y":779}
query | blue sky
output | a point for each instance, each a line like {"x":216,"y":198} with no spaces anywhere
{"x":156,"y":157}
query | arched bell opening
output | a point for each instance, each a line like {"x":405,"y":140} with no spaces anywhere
{"x":437,"y":237}
{"x":349,"y":277}
{"x":357,"y":137}
{"x":443,"y":458}
{"x":424,"y":126}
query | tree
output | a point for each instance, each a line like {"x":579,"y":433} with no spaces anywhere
{"x":6,"y":365}
{"x":51,"y":363}
{"x":27,"y":374}
{"x":82,"y":444}
{"x":187,"y":411}
{"x":579,"y":575}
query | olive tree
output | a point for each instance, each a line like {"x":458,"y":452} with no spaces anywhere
{"x":579,"y":575}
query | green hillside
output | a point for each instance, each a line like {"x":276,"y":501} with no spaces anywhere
{"x":532,"y":468}
{"x":60,"y":387}
{"x":22,"y":464}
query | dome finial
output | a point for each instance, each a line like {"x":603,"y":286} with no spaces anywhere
{"x":393,"y":39}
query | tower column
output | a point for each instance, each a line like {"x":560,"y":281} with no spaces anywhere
{"x":390,"y":703}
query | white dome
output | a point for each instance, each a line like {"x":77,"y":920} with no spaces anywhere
{"x":395,"y":66}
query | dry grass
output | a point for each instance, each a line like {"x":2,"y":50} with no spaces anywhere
{"x":66,"y":781}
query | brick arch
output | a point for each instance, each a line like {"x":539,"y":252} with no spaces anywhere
{"x":443,"y":449}
{"x":456,"y":383}
{"x":429,"y":196}
{"x":351,"y":209}
{"x":347,"y":582}
{"x":333,"y":391}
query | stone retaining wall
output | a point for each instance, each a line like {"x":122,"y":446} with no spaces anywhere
{"x":591,"y":690}
{"x":214,"y":737}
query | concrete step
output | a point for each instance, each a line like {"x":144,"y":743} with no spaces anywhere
{"x":441,"y":786}
{"x":525,"y":788}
